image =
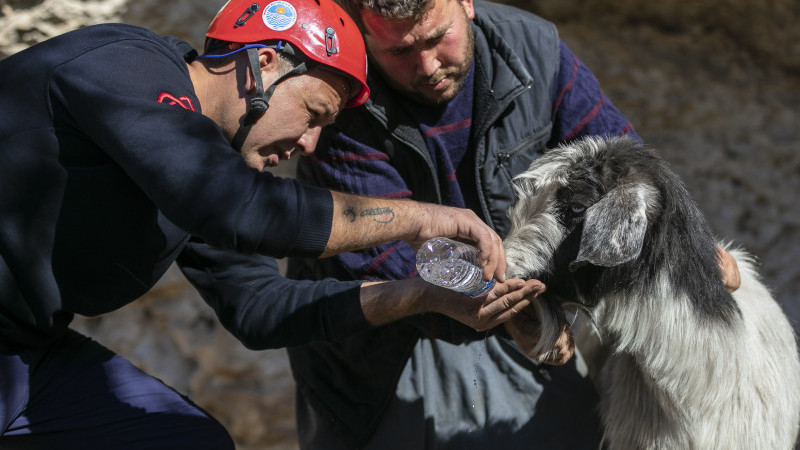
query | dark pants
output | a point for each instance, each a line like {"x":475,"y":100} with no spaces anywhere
{"x":77,"y":394}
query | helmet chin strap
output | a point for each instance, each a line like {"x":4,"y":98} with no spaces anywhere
{"x":259,"y":104}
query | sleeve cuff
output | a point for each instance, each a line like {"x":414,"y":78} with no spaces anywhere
{"x":343,"y":314}
{"x":316,"y":222}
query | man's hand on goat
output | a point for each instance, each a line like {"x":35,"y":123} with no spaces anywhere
{"x":730,"y":270}
{"x":524,"y":329}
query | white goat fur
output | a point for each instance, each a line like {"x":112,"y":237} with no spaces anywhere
{"x":676,"y":368}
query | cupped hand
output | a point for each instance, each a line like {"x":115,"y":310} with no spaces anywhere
{"x":503,"y":302}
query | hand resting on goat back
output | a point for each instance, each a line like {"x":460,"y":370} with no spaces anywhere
{"x":680,"y":363}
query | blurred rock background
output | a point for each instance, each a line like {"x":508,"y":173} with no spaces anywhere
{"x":714,"y":86}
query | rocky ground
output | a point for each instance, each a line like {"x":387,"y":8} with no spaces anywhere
{"x":714,"y":87}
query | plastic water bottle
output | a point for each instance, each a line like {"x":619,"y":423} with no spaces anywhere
{"x":452,"y":264}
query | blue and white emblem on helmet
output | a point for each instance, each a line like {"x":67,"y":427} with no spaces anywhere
{"x":279,"y":16}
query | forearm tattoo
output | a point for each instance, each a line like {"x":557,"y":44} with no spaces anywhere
{"x":379,"y":215}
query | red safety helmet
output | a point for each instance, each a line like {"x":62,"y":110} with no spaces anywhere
{"x":320,"y":29}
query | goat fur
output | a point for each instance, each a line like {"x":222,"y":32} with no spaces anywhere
{"x":679,"y":362}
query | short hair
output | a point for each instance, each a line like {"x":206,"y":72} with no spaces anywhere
{"x":393,"y":10}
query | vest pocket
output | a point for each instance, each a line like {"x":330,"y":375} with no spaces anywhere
{"x":515,"y":160}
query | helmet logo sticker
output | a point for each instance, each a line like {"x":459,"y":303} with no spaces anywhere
{"x":279,"y":15}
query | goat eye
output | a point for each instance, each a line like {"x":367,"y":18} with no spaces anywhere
{"x":576,"y":208}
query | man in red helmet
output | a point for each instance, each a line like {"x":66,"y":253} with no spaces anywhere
{"x":117,"y":147}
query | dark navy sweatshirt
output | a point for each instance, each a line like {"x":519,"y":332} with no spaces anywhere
{"x":107,"y":166}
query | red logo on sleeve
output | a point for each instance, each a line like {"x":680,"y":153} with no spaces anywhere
{"x":184,"y":101}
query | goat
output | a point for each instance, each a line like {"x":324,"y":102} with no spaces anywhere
{"x":682,"y":363}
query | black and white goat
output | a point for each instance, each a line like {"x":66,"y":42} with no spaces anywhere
{"x":682,"y":363}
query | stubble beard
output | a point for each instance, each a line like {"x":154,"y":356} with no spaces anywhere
{"x":458,"y":75}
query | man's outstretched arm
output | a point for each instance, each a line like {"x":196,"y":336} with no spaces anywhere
{"x":360,"y":222}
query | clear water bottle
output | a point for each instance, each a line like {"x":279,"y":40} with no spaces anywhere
{"x":452,"y":264}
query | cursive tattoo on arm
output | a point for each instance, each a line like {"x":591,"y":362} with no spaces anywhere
{"x":379,"y":215}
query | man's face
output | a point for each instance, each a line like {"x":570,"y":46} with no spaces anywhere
{"x":425,"y":59}
{"x":298,"y":109}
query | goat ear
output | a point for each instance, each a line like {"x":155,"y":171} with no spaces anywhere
{"x":614,"y":228}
